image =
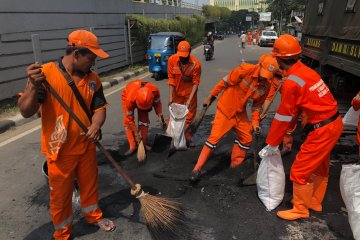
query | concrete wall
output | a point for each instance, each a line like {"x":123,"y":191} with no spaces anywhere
{"x":54,"y":20}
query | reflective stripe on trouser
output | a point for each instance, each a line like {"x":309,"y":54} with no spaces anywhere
{"x":314,"y":154}
{"x":222,"y":125}
{"x":62,"y":173}
{"x":192,"y":107}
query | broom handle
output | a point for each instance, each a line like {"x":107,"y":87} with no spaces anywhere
{"x":84,"y":128}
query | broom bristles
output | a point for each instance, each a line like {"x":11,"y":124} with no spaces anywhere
{"x":141,"y":153}
{"x":165,"y":218}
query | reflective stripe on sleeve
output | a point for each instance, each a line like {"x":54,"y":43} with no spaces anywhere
{"x":297,"y":80}
{"x":225,"y":79}
{"x":65,"y":223}
{"x":90,"y":208}
{"x":283,"y":118}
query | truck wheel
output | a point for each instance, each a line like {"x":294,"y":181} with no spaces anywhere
{"x":157,"y":76}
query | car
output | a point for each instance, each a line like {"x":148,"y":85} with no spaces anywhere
{"x":219,"y":36}
{"x":267,"y":38}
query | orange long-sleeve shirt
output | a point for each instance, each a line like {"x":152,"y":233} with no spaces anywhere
{"x":183,"y":77}
{"x":302,"y":90}
{"x":238,"y":87}
{"x":129,"y":97}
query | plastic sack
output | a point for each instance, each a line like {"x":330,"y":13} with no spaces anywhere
{"x":270,"y":181}
{"x":351,"y":118}
{"x":350,"y":192}
{"x":176,"y":127}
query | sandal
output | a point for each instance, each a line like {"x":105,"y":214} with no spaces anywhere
{"x":106,"y":225}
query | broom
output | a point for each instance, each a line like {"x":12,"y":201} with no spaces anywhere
{"x":141,"y":153}
{"x":164,"y":217}
{"x":194,"y":125}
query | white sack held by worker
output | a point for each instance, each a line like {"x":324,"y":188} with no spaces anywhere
{"x":350,"y":192}
{"x":270,"y":181}
{"x":176,"y":127}
{"x":351,"y":117}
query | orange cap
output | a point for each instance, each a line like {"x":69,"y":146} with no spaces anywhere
{"x":184,"y":49}
{"x":286,"y":46}
{"x":263,"y":57}
{"x":144,"y":98}
{"x":268,"y":67}
{"x":86,"y":39}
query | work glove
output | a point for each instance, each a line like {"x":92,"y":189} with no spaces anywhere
{"x":269,"y":150}
{"x":208,"y":101}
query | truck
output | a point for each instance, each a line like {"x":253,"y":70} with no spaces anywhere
{"x":331,"y":42}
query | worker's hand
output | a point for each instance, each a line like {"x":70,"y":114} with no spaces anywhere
{"x":94,"y":133}
{"x":162,"y":122}
{"x":208,"y":101}
{"x":256,"y":129}
{"x":137,"y":136}
{"x":35,"y":74}
{"x":269,"y":150}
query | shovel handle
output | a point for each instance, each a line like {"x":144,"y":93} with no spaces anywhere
{"x":85,"y":129}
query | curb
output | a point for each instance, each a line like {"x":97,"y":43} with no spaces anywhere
{"x":19,"y":120}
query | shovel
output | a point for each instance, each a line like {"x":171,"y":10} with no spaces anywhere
{"x":251,"y":180}
{"x":162,"y":143}
{"x":194,"y":125}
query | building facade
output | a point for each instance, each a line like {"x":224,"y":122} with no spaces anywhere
{"x":235,"y":5}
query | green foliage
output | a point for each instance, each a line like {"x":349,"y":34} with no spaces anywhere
{"x":214,"y":12}
{"x":284,"y":6}
{"x":191,"y":27}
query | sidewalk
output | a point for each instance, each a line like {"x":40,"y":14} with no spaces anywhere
{"x":18,"y":120}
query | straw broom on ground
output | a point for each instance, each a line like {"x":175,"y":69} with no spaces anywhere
{"x":164,"y":218}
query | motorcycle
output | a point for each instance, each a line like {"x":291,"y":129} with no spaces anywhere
{"x":208,"y":52}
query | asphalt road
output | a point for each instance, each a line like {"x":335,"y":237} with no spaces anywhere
{"x":221,"y":209}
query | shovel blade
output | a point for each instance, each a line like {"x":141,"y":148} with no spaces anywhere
{"x":161,"y":144}
{"x":251,"y":180}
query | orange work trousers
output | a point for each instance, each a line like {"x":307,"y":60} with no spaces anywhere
{"x":221,"y":125}
{"x":62,"y":173}
{"x":314,"y":154}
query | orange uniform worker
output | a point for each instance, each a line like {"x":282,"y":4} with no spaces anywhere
{"x":69,"y":151}
{"x":143,"y":96}
{"x":184,"y":72}
{"x":356,"y":105}
{"x":249,"y":37}
{"x":304,"y":90}
{"x":248,"y":81}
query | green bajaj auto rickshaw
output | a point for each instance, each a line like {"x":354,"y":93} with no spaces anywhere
{"x":161,"y":46}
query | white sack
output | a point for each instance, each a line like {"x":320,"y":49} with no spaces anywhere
{"x":351,"y":117}
{"x":270,"y":181}
{"x":350,"y":192}
{"x":176,"y":127}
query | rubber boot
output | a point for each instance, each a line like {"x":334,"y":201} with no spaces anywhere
{"x":287,"y":144}
{"x":320,"y":184}
{"x":302,"y":195}
{"x":237,"y":156}
{"x":132,"y":143}
{"x":204,"y":155}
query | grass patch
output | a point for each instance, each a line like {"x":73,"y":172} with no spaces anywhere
{"x":107,"y":76}
{"x":8,"y":108}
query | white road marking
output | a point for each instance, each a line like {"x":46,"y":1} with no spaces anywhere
{"x":39,"y":126}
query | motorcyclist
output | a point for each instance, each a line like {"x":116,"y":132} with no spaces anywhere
{"x":210,"y":40}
